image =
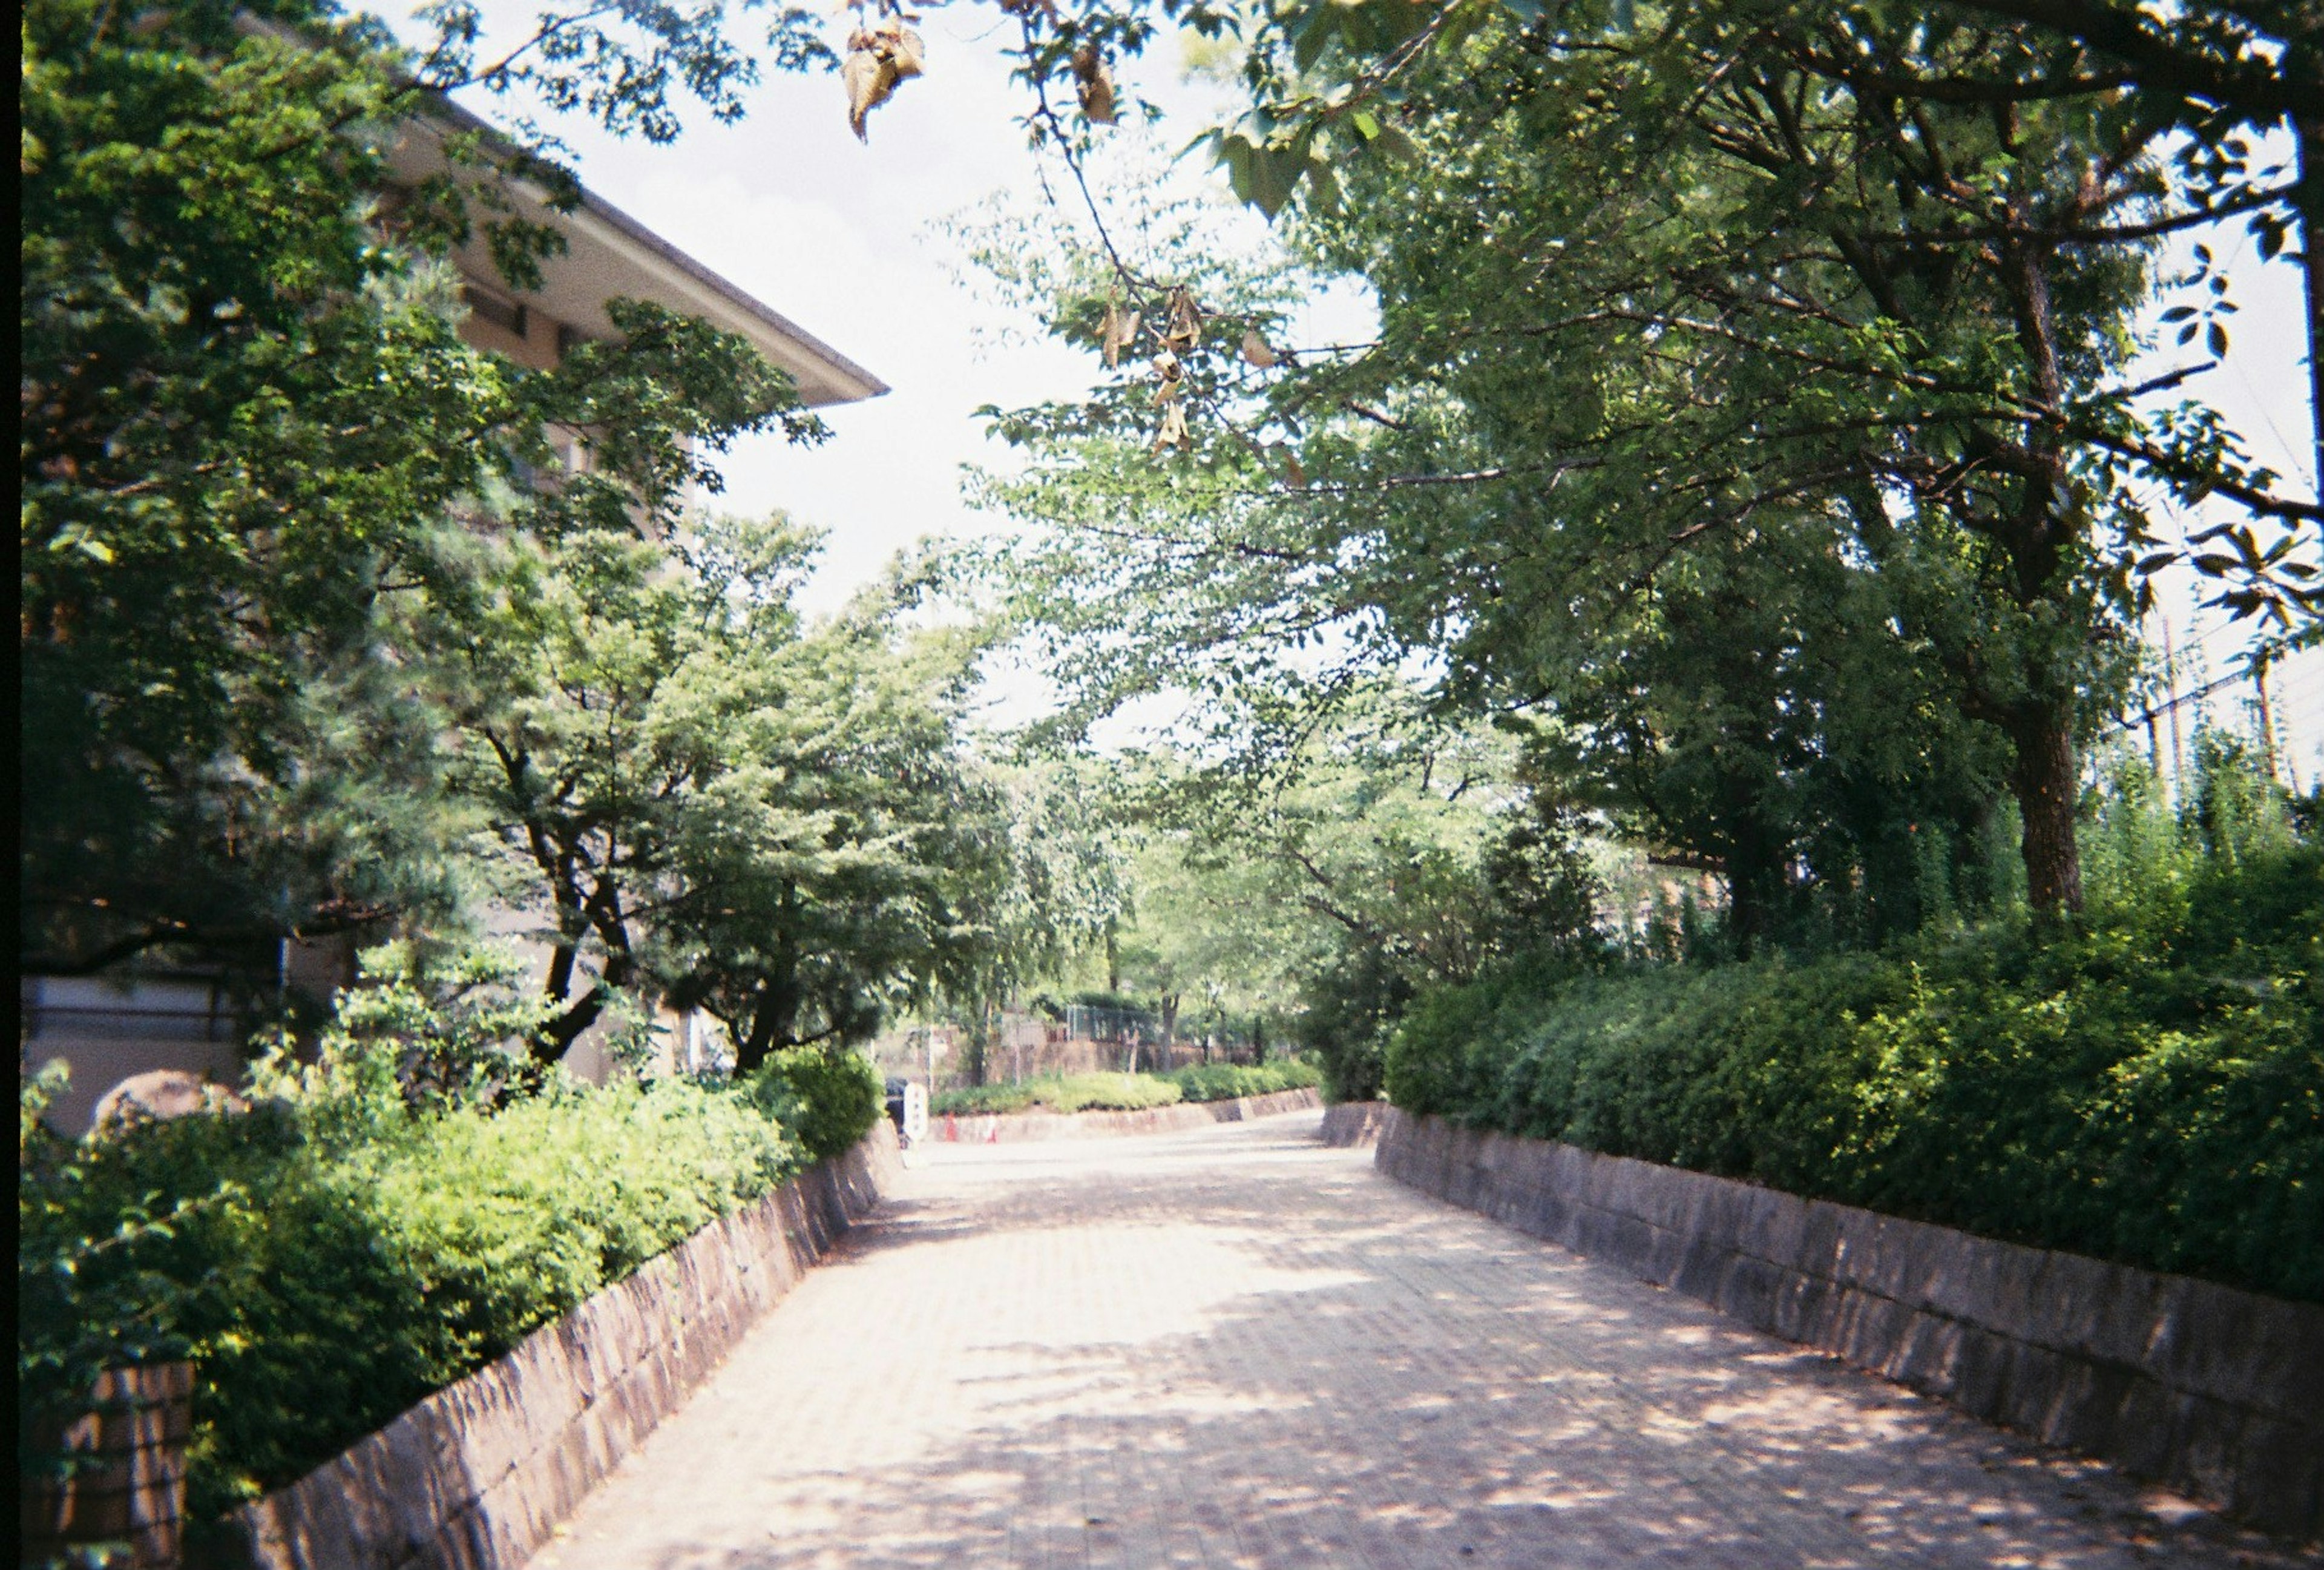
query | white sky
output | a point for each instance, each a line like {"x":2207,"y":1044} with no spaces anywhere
{"x":2262,"y":390}
{"x":840,"y":237}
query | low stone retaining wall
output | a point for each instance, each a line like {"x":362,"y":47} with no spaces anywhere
{"x":2213,"y":1392}
{"x":1008,"y":1127}
{"x":477,"y":1476}
{"x":130,"y":1485}
{"x":1348,"y":1124}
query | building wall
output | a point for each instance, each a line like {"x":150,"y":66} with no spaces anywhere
{"x":108,"y":1031}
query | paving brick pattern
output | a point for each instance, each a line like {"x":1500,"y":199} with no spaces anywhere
{"x":1238,"y":1347}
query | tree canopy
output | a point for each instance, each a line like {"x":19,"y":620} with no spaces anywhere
{"x":320,"y":634}
{"x":252,"y":436}
{"x":1748,"y":416}
{"x":1750,"y":455}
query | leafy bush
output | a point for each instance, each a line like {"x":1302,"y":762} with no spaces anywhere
{"x":1225,"y":1081}
{"x":986,"y":1099}
{"x":2150,"y":1090}
{"x":829,"y":1097}
{"x":1349,"y":1009}
{"x":1129,"y":1092}
{"x":340,"y":1251}
{"x":1064,"y":1092}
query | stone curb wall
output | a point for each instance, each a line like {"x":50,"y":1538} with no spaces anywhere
{"x":1009,"y":1128}
{"x":2214,"y":1391}
{"x":1349,"y":1123}
{"x":478,"y":1475}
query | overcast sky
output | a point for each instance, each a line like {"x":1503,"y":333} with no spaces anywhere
{"x":842,"y":237}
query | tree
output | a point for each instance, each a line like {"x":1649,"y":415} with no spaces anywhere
{"x":2194,"y":93}
{"x":714,"y":801}
{"x":1388,"y":851}
{"x":1767,"y":309}
{"x":1642,"y":298}
{"x":2222,"y":75}
{"x":252,"y":444}
{"x":853,"y":857}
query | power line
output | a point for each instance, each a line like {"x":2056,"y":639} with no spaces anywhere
{"x":2159,"y":710}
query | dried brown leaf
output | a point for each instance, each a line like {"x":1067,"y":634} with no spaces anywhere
{"x":904,"y":49}
{"x":869,"y":81}
{"x":1255,"y":351}
{"x":1117,"y":333}
{"x":1171,"y":374}
{"x":1094,"y":84}
{"x":1174,"y":431}
{"x":1186,"y":329}
{"x":878,"y":57}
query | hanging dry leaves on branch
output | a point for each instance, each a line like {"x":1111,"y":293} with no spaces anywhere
{"x":1255,"y":351}
{"x":1186,"y":329}
{"x":1170,"y":392}
{"x":1094,"y":84}
{"x":1170,"y":376}
{"x":1116,"y":333}
{"x":878,"y":57}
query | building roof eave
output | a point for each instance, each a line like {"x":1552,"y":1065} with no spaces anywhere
{"x":610,"y":254}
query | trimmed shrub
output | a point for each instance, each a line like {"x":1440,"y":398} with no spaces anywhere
{"x":326,"y":1269}
{"x":2151,"y":1092}
{"x":982,"y":1100}
{"x":1129,"y":1092}
{"x":1064,"y":1093}
{"x":829,"y":1097}
{"x":1225,"y":1081}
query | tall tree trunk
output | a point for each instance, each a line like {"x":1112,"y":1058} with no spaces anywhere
{"x":1757,"y":877}
{"x":2043,"y":780}
{"x":774,"y":1024}
{"x":774,"y":1014}
{"x":557,"y":1037}
{"x":602,"y":914}
{"x":980,"y":1044}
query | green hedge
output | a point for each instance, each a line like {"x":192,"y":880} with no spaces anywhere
{"x":1069,"y":1093}
{"x":397,"y":1208}
{"x":2150,"y":1091}
{"x":1062,"y":1093}
{"x":829,"y":1097}
{"x":324,"y":1274}
{"x":1225,"y":1081}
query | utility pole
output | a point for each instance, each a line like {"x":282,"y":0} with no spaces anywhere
{"x":2260,"y":660}
{"x":2171,"y":681}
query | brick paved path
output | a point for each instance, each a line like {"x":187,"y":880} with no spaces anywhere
{"x":1234,"y":1347}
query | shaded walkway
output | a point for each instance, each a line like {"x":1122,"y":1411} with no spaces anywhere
{"x":1235,"y":1347}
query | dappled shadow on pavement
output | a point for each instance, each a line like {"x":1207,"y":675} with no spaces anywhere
{"x":1236,"y":1348}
